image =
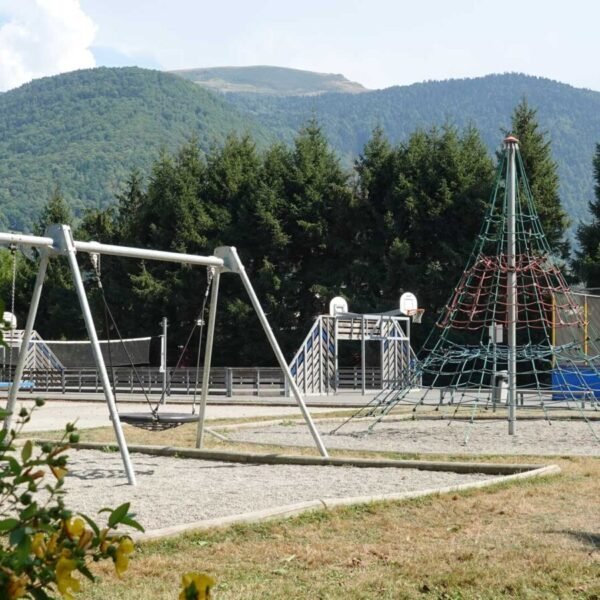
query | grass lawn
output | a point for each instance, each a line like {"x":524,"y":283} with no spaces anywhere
{"x":531,"y":539}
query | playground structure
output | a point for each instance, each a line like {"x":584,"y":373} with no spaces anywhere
{"x":316,"y":365}
{"x":512,"y":334}
{"x":59,"y":241}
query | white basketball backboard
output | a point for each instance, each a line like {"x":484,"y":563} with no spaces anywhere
{"x":11,"y":319}
{"x":408,"y":302}
{"x":338,"y":305}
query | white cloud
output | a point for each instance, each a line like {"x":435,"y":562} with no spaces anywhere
{"x":43,"y":37}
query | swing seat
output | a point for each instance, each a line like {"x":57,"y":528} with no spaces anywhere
{"x":159,"y":421}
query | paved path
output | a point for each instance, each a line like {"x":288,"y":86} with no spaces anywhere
{"x":56,"y":413}
{"x":352,"y":399}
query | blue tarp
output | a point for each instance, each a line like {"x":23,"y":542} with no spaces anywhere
{"x":574,"y":383}
{"x":25,"y":385}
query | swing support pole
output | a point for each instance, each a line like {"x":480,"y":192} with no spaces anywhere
{"x":31,"y":315}
{"x":210,"y":333}
{"x":65,"y":239}
{"x":234,"y":264}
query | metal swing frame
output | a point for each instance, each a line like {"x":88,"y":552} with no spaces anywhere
{"x":58,"y":241}
{"x":152,"y":420}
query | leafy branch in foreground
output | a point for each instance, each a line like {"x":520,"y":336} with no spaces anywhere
{"x":43,"y":544}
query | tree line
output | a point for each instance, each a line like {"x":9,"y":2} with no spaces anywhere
{"x":404,"y":219}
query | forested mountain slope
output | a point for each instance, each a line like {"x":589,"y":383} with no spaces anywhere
{"x":571,"y":116}
{"x":86,"y":130}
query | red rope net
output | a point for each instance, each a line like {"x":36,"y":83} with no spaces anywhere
{"x":481,"y":297}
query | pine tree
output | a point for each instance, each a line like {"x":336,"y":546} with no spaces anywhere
{"x":419,"y":210}
{"x":243,"y":213}
{"x":542,"y":174}
{"x":373,"y":215}
{"x":56,"y":210}
{"x":587,"y":262}
{"x":315,"y":216}
{"x":59,"y":315}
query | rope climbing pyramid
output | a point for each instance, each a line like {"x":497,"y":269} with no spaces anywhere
{"x":513,"y":335}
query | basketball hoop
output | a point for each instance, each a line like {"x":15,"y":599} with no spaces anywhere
{"x":416,"y":314}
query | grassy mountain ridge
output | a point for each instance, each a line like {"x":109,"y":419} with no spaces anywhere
{"x":570,"y":115}
{"x":279,"y":81}
{"x":85,"y":131}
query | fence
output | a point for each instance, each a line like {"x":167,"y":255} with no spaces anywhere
{"x":224,"y":381}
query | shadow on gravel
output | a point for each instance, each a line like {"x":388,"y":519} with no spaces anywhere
{"x":587,"y":538}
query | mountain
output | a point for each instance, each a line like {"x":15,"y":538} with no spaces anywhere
{"x":86,"y":130}
{"x":571,"y":116}
{"x":278,"y":81}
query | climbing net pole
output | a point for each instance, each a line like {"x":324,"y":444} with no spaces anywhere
{"x":511,"y":176}
{"x":512,"y":318}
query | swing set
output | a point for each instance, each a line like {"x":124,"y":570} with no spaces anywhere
{"x":10,"y":324}
{"x":58,"y":241}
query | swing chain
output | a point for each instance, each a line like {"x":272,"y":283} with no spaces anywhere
{"x":95,"y":260}
{"x":210,"y":273}
{"x":13,"y":251}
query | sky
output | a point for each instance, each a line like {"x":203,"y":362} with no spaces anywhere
{"x":378,"y":43}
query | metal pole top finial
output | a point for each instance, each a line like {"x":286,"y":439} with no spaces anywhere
{"x":511,"y":139}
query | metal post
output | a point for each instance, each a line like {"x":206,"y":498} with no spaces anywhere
{"x":511,"y":175}
{"x":63,"y":237}
{"x":163,"y":359}
{"x":363,"y":359}
{"x":233,"y":263}
{"x":336,"y":365}
{"x":210,"y":333}
{"x":33,"y":308}
{"x":320,"y":355}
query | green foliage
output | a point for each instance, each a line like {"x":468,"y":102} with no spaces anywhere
{"x":42,"y":542}
{"x":306,"y":231}
{"x":419,"y":209}
{"x":587,"y":262}
{"x":542,"y":175}
{"x":570,"y":116}
{"x":56,"y":210}
{"x":84,"y":131}
{"x":87,"y":130}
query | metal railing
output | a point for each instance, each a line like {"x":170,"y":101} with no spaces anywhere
{"x":225,"y":381}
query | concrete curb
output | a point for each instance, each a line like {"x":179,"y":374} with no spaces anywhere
{"x":285,"y":459}
{"x":290,"y":510}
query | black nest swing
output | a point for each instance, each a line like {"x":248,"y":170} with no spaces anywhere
{"x":159,"y":421}
{"x":155,"y":419}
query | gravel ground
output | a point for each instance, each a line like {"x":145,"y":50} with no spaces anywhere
{"x":175,"y":491}
{"x":535,"y":437}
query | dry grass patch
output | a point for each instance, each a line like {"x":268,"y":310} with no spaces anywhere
{"x":533,"y":539}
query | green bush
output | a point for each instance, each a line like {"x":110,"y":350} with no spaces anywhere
{"x":43,"y":544}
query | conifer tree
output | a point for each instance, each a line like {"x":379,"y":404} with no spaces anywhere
{"x":315,"y":216}
{"x":587,"y":262}
{"x":422,"y":204}
{"x":542,"y":174}
{"x":59,"y":315}
{"x":373,"y":209}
